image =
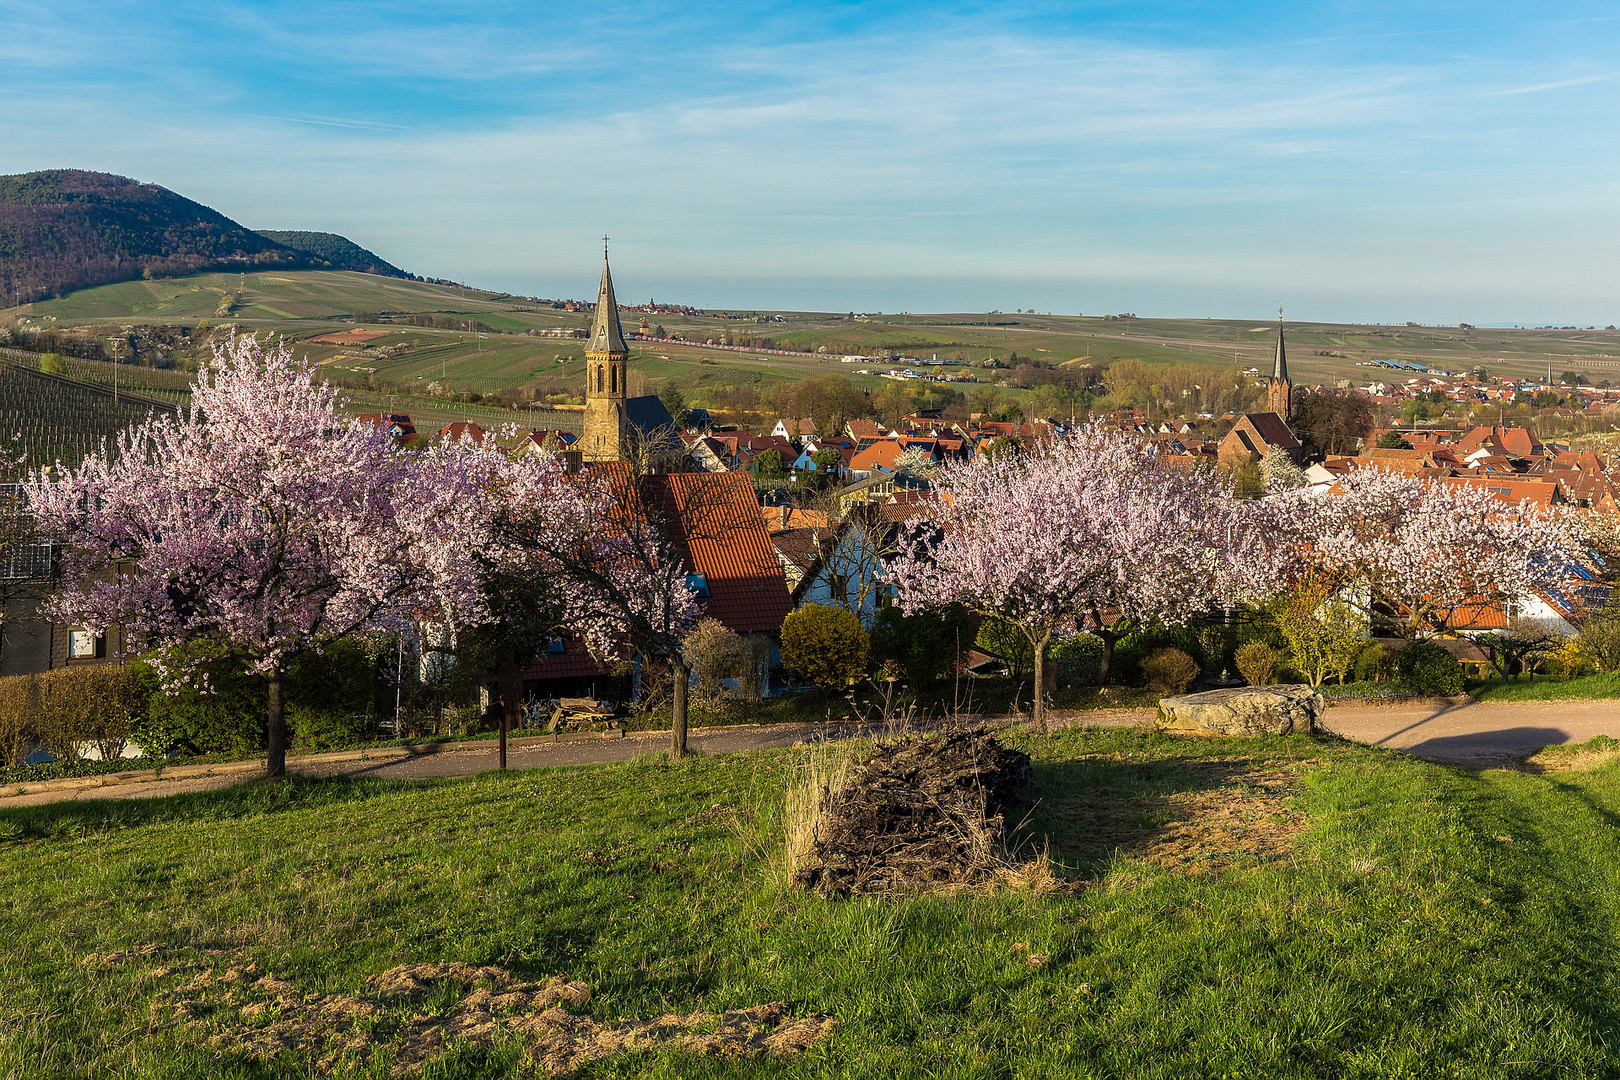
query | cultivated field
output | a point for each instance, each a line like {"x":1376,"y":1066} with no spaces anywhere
{"x":311,"y":304}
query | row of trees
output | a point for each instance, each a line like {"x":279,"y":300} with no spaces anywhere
{"x":1094,"y":533}
{"x":266,"y":525}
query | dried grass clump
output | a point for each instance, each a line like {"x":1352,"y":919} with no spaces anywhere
{"x":918,"y":814}
{"x":238,"y":1008}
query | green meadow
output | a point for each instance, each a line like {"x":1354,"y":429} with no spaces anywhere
{"x":1228,"y":908}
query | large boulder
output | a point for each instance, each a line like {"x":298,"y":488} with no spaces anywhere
{"x":1246,"y":710}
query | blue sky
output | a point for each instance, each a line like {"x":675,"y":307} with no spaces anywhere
{"x":1361,"y":162}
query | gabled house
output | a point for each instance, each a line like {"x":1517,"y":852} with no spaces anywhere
{"x":864,"y":431}
{"x":1257,"y":434}
{"x":543,"y":439}
{"x":397,"y":425}
{"x":843,"y":566}
{"x":794,"y":429}
{"x":463,"y":429}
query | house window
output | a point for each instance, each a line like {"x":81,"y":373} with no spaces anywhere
{"x":698,"y":584}
{"x":85,"y":645}
{"x":555,"y":647}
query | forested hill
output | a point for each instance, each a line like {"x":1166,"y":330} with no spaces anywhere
{"x":336,"y":252}
{"x":67,"y":229}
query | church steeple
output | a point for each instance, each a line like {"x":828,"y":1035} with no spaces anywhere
{"x":1280,"y":392}
{"x":606,"y":334}
{"x":1279,"y":368}
{"x":606,"y":372}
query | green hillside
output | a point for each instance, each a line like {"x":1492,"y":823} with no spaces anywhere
{"x":264,"y":297}
{"x":65,"y":229}
{"x":337,"y":252}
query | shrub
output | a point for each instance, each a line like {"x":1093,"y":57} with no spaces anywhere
{"x":1007,"y":643}
{"x":1170,"y":671}
{"x":225,"y":718}
{"x":1257,"y":662}
{"x":97,"y":705}
{"x":1569,"y":660}
{"x":1077,"y":660}
{"x":1324,"y":634}
{"x":19,"y":709}
{"x":715,"y":654}
{"x":826,"y":645}
{"x":1425,"y":667}
{"x":1600,"y":638}
{"x":332,"y":696}
{"x":51,"y":364}
{"x":1372,"y":663}
{"x":927,"y":645}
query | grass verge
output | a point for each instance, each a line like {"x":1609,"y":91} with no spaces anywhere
{"x":1587,"y":688}
{"x":1282,"y":907}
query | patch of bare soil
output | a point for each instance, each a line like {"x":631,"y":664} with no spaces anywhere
{"x":918,"y":814}
{"x":237,"y":1007}
{"x":1228,"y":811}
{"x":349,"y":337}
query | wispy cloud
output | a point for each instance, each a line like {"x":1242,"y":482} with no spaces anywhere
{"x":838,"y":144}
{"x":1558,"y":85}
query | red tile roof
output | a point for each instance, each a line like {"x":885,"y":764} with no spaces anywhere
{"x":715,"y":519}
{"x":880,"y":455}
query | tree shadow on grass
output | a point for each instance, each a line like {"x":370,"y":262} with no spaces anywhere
{"x":1200,"y":815}
{"x":253,"y":798}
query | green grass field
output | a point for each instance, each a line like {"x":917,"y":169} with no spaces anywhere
{"x":1268,"y":908}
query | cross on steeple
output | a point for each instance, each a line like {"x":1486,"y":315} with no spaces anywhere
{"x":604,"y":245}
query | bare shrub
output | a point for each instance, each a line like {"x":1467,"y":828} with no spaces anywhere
{"x":1170,"y":671}
{"x":715,"y":655}
{"x":1257,"y":663}
{"x":95,"y":705}
{"x":19,"y":715}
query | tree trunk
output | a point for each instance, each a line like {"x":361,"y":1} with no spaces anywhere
{"x":511,"y":691}
{"x":677,"y":725}
{"x":1107,"y":661}
{"x":275,"y":762}
{"x":1038,"y":709}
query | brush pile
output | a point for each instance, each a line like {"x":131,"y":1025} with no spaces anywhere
{"x":919,"y":814}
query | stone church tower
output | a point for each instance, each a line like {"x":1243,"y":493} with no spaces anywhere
{"x":606,"y":366}
{"x":1279,"y":392}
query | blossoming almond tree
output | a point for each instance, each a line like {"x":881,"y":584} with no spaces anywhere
{"x":1429,"y":553}
{"x":614,"y":544}
{"x":1091,"y":527}
{"x":263,"y":521}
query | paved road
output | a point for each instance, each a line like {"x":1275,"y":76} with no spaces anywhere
{"x":1463,"y":733}
{"x":1476,"y":733}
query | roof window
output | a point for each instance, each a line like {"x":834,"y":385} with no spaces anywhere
{"x":698,"y":584}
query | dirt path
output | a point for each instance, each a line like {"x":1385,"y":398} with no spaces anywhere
{"x":1460,"y":732}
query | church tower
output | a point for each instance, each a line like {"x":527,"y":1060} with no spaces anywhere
{"x":1280,"y":392}
{"x":606,"y":366}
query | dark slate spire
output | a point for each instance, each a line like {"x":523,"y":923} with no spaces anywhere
{"x":1279,"y":370}
{"x":606,"y":334}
